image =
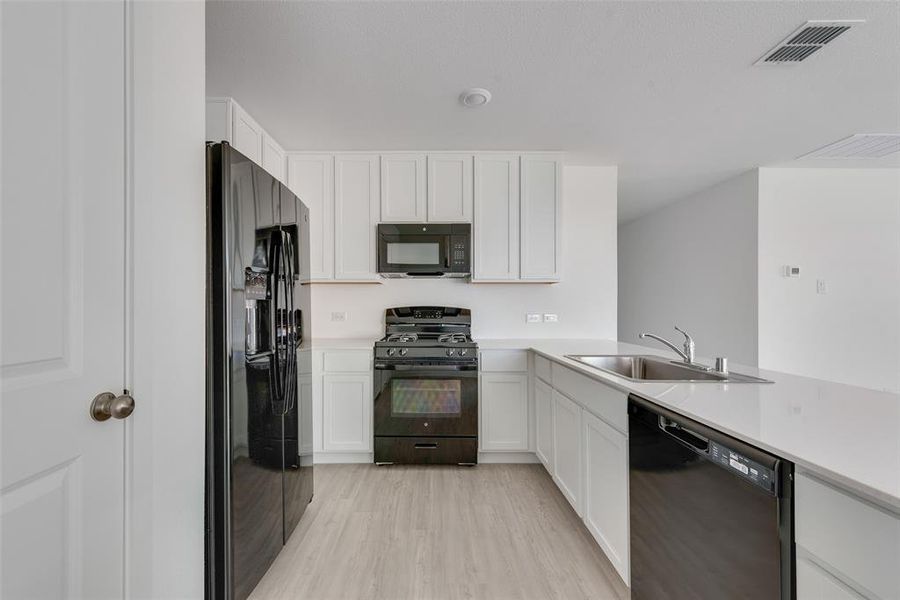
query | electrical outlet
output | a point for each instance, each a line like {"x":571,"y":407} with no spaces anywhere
{"x":821,"y":286}
{"x":551,"y":317}
{"x":339,"y":317}
{"x":533,"y":318}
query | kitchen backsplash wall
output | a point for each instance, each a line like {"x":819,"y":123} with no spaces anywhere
{"x":585,"y":300}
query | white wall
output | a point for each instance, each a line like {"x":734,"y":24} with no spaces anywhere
{"x":585,"y":299}
{"x":842,"y":226}
{"x":693,"y":264}
{"x":165,"y":436}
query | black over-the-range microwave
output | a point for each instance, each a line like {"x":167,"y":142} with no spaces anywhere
{"x":424,"y":249}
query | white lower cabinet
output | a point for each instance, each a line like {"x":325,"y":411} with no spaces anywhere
{"x":856,"y":541}
{"x":814,"y":583}
{"x":605,"y":509}
{"x":543,"y":426}
{"x":504,"y":412}
{"x":567,"y":448}
{"x":347,"y":412}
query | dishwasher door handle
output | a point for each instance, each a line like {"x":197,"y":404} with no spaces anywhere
{"x":685,"y":436}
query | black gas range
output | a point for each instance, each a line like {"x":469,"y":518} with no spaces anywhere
{"x":426,"y":387}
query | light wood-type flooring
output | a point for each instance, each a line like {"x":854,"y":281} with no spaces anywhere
{"x":432,"y":532}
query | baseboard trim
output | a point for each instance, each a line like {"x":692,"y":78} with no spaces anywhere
{"x":507,"y":458}
{"x":343,"y":458}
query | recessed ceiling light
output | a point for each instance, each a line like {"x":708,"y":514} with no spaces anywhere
{"x":475,"y":97}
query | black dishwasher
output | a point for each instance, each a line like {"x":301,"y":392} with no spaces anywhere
{"x":711,"y":516}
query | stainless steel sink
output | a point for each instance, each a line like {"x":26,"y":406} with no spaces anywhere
{"x":657,"y":368}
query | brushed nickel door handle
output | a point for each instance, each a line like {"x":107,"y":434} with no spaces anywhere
{"x":108,"y":405}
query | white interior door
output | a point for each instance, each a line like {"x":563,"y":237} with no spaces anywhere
{"x":63,"y":282}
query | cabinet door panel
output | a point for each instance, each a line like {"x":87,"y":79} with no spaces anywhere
{"x":246,"y":134}
{"x":347,"y":413}
{"x":355,"y":215}
{"x":449,"y":188}
{"x":567,"y":449}
{"x":606,"y":489}
{"x":403,"y":188}
{"x":311,"y":177}
{"x":540,"y":217}
{"x":543,"y":411}
{"x":504,"y":411}
{"x":496,"y":218}
{"x":272,"y":157}
{"x":813,"y":583}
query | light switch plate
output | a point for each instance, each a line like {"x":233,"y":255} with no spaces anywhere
{"x":533,"y":318}
{"x":339,"y":317}
{"x":821,"y":286}
{"x":551,"y":317}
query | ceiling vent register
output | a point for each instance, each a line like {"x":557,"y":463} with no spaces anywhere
{"x":861,"y":145}
{"x":805,"y":41}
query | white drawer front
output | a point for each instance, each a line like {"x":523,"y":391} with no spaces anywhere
{"x":860,"y":541}
{"x":605,"y":402}
{"x":542,"y":368}
{"x":348,"y":361}
{"x":507,"y":361}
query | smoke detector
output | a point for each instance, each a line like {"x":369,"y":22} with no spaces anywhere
{"x":861,"y":145}
{"x":807,"y":39}
{"x":475,"y":97}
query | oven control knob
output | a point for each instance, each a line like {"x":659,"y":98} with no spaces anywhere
{"x":450,"y":351}
{"x":390,"y":352}
{"x":463,"y":351}
{"x":403,"y":351}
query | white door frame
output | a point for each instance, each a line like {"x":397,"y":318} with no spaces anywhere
{"x":165,"y":298}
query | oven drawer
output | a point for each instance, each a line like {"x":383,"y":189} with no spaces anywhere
{"x":426,"y":450}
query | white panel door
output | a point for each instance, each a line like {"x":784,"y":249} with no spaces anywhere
{"x":606,"y":489}
{"x":567,"y":449}
{"x":504,"y":411}
{"x":541,"y":227}
{"x":272,"y":157}
{"x":449,"y":188}
{"x":403,"y":188}
{"x":311,"y":177}
{"x":543,"y":414}
{"x":63,"y":309}
{"x":347,"y":412}
{"x":355,"y":215}
{"x":247,"y":135}
{"x":496,"y":218}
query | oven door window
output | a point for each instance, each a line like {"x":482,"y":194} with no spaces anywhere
{"x":433,"y":398}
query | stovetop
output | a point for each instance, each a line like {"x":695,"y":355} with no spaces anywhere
{"x":427,"y":332}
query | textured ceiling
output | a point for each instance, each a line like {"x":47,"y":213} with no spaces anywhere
{"x":665,"y":90}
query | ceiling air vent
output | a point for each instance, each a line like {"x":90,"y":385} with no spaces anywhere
{"x":807,"y":39}
{"x":861,"y":145}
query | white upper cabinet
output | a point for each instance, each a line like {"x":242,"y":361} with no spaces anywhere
{"x":403,"y":188}
{"x":272,"y":157}
{"x":246,"y":134}
{"x":311,"y":177}
{"x":496,"y":217}
{"x":449,"y":188}
{"x":227,"y":121}
{"x":356,"y":207}
{"x":540,"y":214}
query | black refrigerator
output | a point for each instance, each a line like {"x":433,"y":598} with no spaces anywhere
{"x":259,"y":432}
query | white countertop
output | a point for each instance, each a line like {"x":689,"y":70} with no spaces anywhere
{"x":847,"y":434}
